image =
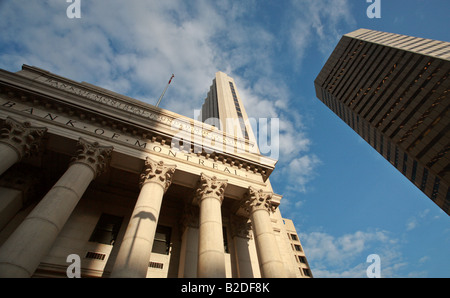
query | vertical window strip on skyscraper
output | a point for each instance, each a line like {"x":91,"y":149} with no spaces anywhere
{"x":363,"y":126}
{"x":439,"y":155}
{"x":385,"y":60}
{"x":414,"y":171}
{"x":422,"y":118}
{"x":424,"y":179}
{"x":239,"y":113}
{"x":364,"y":78}
{"x":381,"y":144}
{"x":447,"y":200}
{"x":375,"y":139}
{"x":424,"y":98}
{"x":405,"y":160}
{"x":354,"y":78}
{"x":412,"y":99}
{"x":353,"y":72}
{"x":432,"y":142}
{"x":338,"y":67}
{"x":402,"y":96}
{"x":396,"y":157}
{"x":388,"y":155}
{"x":435,"y":188}
{"x":348,"y":69}
{"x":406,"y":65}
{"x":393,"y":74}
{"x":339,"y":61}
{"x":382,"y":78}
{"x":431,"y":126}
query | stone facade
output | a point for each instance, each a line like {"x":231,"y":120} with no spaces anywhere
{"x":132,"y":189}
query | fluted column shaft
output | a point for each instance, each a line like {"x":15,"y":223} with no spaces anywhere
{"x":21,"y":254}
{"x":18,"y":140}
{"x":136,"y":247}
{"x":211,"y":259}
{"x":259,"y":206}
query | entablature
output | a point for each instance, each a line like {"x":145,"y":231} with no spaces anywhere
{"x":30,"y":96}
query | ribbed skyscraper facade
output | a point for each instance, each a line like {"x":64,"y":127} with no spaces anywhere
{"x":393,"y":90}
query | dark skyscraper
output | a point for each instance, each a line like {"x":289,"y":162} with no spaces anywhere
{"x":393,"y":90}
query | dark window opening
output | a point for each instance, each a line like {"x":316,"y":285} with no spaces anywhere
{"x":107,"y":228}
{"x":161,"y":244}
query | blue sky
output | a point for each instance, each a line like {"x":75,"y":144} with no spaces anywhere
{"x":347,"y":202}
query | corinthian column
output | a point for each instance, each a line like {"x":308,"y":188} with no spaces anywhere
{"x":211,"y":259}
{"x":135,"y":250}
{"x":258,"y":203}
{"x":18,"y":140}
{"x":21,"y":254}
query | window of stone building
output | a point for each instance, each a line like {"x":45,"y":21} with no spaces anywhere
{"x":107,"y":228}
{"x":297,"y":247}
{"x":161,"y":244}
{"x":225,"y":241}
{"x":302,"y":259}
{"x":306,"y":272}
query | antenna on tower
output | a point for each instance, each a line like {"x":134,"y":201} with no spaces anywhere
{"x":159,"y":100}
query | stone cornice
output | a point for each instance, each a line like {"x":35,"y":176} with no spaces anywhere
{"x":121,"y":103}
{"x":53,"y":99}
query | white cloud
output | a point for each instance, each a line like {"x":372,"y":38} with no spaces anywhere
{"x":414,"y":221}
{"x":133,"y":48}
{"x":346,"y":255}
{"x":315,"y":23}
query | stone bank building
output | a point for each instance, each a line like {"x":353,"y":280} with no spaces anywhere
{"x":132,"y":189}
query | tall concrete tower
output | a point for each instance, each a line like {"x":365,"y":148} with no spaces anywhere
{"x":224,"y":109}
{"x":393,"y":90}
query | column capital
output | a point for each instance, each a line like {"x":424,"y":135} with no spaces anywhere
{"x":240,"y":227}
{"x":210,"y":187}
{"x":93,"y":155}
{"x":21,"y":136}
{"x":258,"y":200}
{"x":189,"y":217}
{"x":157,"y":172}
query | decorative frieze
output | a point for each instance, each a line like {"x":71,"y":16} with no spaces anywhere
{"x":94,"y":155}
{"x":157,"y":171}
{"x":21,"y":136}
{"x":258,"y":200}
{"x":137,"y":137}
